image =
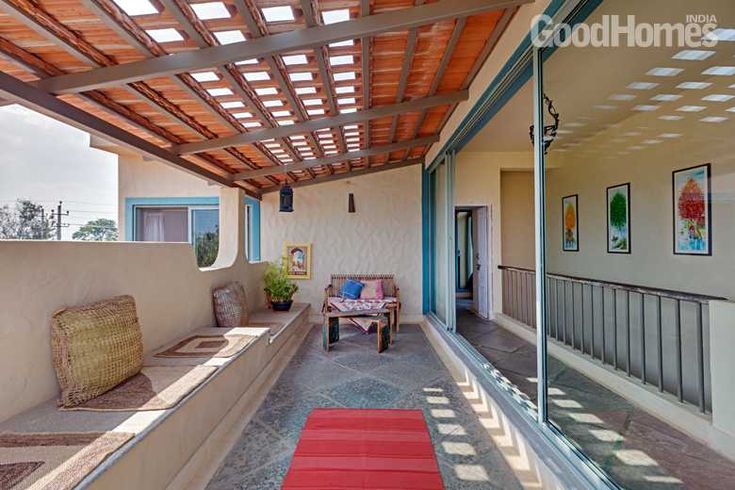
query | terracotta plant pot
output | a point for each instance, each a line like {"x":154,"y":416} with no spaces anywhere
{"x":281,"y":305}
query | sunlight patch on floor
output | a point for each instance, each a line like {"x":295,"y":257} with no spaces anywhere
{"x":471,"y":472}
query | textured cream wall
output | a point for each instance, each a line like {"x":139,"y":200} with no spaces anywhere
{"x":138,"y":177}
{"x":384,"y":235}
{"x":517,"y":220}
{"x":173,"y":298}
{"x":477,"y":183}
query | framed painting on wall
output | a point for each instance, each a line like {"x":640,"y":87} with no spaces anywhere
{"x":298,"y":260}
{"x":570,"y":224}
{"x":618,"y":219}
{"x":692,"y":211}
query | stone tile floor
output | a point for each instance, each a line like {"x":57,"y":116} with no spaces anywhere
{"x":638,"y":450}
{"x":353,"y":374}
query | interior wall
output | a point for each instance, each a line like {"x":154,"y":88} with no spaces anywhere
{"x":478,"y":183}
{"x":173,"y":297}
{"x":382,"y":236}
{"x":651,"y":261}
{"x":517,"y":219}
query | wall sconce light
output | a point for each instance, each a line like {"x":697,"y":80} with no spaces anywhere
{"x":286,"y":199}
{"x":550,"y":129}
{"x":350,"y":203}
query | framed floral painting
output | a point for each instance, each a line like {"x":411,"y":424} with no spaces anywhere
{"x":298,"y":260}
{"x":692,"y":211}
{"x":570,"y":223}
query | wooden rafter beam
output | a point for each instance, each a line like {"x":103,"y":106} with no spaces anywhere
{"x":351,"y":155}
{"x":36,"y":99}
{"x":273,"y":44}
{"x":349,"y":175}
{"x":325,"y":122}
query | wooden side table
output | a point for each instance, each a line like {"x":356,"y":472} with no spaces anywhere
{"x":383,"y":317}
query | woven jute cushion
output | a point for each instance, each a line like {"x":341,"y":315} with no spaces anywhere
{"x":95,"y":348}
{"x":230,"y":306}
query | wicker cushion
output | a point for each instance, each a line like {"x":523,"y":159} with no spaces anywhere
{"x":95,"y":347}
{"x":230,"y":306}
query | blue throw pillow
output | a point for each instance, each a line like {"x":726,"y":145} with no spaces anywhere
{"x":351,"y":289}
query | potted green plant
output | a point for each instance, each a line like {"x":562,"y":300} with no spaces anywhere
{"x":279,"y":289}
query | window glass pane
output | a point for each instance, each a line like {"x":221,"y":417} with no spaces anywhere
{"x":439,"y":243}
{"x":205,"y":235}
{"x":639,"y":233}
{"x":161,"y":225}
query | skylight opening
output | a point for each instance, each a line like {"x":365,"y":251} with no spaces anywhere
{"x":351,"y":126}
{"x":718,"y":98}
{"x":315,"y":112}
{"x":334,"y":16}
{"x":340,"y":60}
{"x":283,"y":13}
{"x":346,"y":101}
{"x":286,"y":122}
{"x":281,"y":113}
{"x":669,"y":136}
{"x":352,"y":133}
{"x":694,"y":85}
{"x":297,"y":137}
{"x":691,"y":108}
{"x":642,"y":85}
{"x":329,"y":147}
{"x":253,"y":124}
{"x":301,"y":76}
{"x":713,"y":119}
{"x":645,"y":108}
{"x":622,"y":97}
{"x":273,"y":103}
{"x":167,"y":35}
{"x":671,"y":118}
{"x":295,"y":59}
{"x":693,"y":55}
{"x":136,"y":7}
{"x":341,"y":44}
{"x":266,"y":91}
{"x":666,"y":97}
{"x":235,"y":104}
{"x":219,"y":92}
{"x":229,"y":37}
{"x":308,"y":158}
{"x":731,"y":109}
{"x":251,"y":61}
{"x":272,"y":145}
{"x":347,"y":111}
{"x":347,"y":89}
{"x":722,"y":34}
{"x":352,"y":140}
{"x":330,"y":152}
{"x":346,"y":75}
{"x":305,"y":90}
{"x":256,"y":76}
{"x":205,"y":76}
{"x":311,"y":102}
{"x":210,"y":10}
{"x":242,"y":115}
{"x":720,"y":71}
{"x":664,"y":72}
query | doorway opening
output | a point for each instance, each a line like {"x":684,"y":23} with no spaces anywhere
{"x":471,"y":228}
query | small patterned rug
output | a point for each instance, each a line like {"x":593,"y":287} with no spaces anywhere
{"x":154,"y":388}
{"x":208,"y":346}
{"x":53,"y":460}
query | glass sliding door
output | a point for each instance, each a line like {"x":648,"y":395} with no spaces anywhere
{"x":638,"y":230}
{"x":439,"y":228}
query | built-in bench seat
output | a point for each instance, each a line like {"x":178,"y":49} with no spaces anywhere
{"x":165,"y":441}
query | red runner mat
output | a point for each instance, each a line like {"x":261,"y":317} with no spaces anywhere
{"x":343,"y":448}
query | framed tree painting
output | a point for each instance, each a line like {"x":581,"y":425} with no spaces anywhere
{"x":570,"y":224}
{"x":692,"y":211}
{"x":298,"y":260}
{"x":618,"y":219}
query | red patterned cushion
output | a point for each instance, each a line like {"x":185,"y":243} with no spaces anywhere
{"x":372,"y":289}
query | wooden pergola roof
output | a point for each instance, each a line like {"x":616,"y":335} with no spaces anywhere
{"x":247,"y":95}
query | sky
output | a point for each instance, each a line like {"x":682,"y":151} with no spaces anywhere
{"x":48,"y":161}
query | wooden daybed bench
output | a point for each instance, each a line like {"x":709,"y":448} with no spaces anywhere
{"x":391,"y":292}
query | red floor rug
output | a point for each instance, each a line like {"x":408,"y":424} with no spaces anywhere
{"x":342,"y":448}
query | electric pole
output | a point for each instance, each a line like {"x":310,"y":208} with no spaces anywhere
{"x":56,"y":217}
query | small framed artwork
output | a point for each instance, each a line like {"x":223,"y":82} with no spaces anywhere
{"x":618,"y":219}
{"x":298,"y":260}
{"x":692,"y":211}
{"x":570,"y":224}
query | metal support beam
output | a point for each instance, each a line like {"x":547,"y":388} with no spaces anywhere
{"x":325,"y":122}
{"x":269,"y":45}
{"x":352,"y":155}
{"x":36,"y":99}
{"x":350,"y":175}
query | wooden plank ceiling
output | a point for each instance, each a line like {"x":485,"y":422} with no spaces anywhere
{"x":43,"y":39}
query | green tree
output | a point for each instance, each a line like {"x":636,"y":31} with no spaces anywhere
{"x":618,"y":211}
{"x":26,"y":220}
{"x":98,"y":230}
{"x":206,"y":246}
